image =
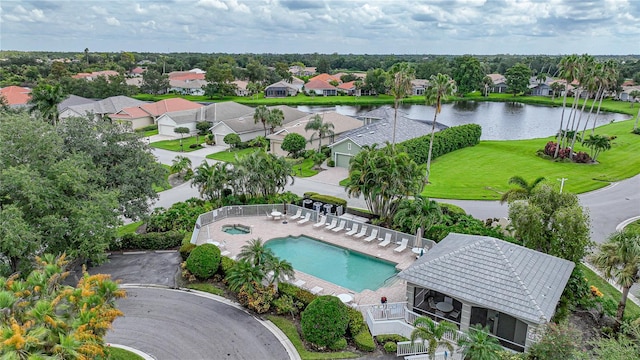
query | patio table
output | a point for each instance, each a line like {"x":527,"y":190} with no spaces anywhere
{"x":345,"y":298}
{"x":444,"y":307}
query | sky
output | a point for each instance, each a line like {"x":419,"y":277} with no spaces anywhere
{"x":481,"y":27}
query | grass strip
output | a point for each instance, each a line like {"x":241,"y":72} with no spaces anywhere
{"x":631,"y":311}
{"x":206,"y":287}
{"x":122,"y":354}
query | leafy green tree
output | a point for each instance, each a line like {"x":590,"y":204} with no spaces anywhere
{"x":44,"y":100}
{"x":153,"y":82}
{"x":320,"y":127}
{"x":324,"y":321}
{"x":552,"y":222}
{"x":376,"y":81}
{"x":203,"y":261}
{"x":42,"y":318}
{"x":417,"y":212}
{"x":597,"y":144}
{"x":479,"y":345}
{"x":232,"y":140}
{"x":432,"y":334}
{"x":256,"y":72}
{"x":211,"y":180}
{"x":18,"y":242}
{"x":202,"y":128}
{"x":522,"y":191}
{"x":440,"y":87}
{"x":635,"y":94}
{"x":619,"y":259}
{"x":294,"y":143}
{"x":399,"y":84}
{"x":518,"y":78}
{"x":219,"y":76}
{"x":384,"y":177}
{"x":468,"y":74}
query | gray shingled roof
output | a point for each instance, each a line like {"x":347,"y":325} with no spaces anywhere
{"x":512,"y":279}
{"x":240,"y":117}
{"x":110,"y":105}
{"x":184,"y":116}
{"x":74,"y":100}
{"x":227,"y":110}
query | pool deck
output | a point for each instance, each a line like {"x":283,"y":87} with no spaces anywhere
{"x":269,"y":229}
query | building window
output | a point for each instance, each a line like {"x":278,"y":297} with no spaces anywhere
{"x":349,"y":146}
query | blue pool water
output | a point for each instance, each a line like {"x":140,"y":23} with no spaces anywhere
{"x":235,"y":230}
{"x":349,"y":269}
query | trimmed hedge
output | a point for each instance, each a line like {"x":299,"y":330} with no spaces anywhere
{"x":327,"y":199}
{"x":226,"y":263}
{"x":341,"y":344}
{"x":298,"y":294}
{"x":186,"y":249}
{"x":364,"y":340}
{"x":390,"y":337}
{"x":390,"y":347}
{"x":444,"y":142}
{"x":356,"y":322}
{"x":450,"y":209}
{"x":203,"y":261}
{"x":324,"y":321}
{"x":148,"y":241}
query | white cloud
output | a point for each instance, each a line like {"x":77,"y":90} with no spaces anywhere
{"x":239,"y":7}
{"x":139,"y":10}
{"x":99,"y":10}
{"x":215,"y":4}
{"x":112,"y":21}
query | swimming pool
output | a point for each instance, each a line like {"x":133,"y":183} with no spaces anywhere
{"x":343,"y":267}
{"x":236,"y":229}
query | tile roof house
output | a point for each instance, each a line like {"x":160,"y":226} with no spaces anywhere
{"x":302,"y":71}
{"x":509,"y":288}
{"x":349,"y":87}
{"x":241,"y":87}
{"x":110,"y":105}
{"x":282,"y":89}
{"x":93,"y":75}
{"x":326,"y":77}
{"x":377,"y":129}
{"x":418,"y":86}
{"x":16,"y":96}
{"x":238,"y":119}
{"x":320,"y":87}
{"x":341,"y":123}
{"x":147,"y":114}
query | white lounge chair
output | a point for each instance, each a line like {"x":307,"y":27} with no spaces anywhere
{"x":353,"y":230}
{"x":299,"y":283}
{"x":387,"y":240}
{"x":362,"y":232}
{"x":297,"y":215}
{"x":321,"y":222}
{"x":269,"y":217}
{"x":403,"y":245}
{"x":305,"y":219}
{"x":333,"y":224}
{"x":372,"y":236}
{"x":316,"y":290}
{"x":340,"y":227}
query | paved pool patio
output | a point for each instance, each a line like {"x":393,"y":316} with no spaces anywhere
{"x":267,"y":229}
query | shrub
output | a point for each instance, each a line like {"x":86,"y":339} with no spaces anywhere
{"x":147,"y":128}
{"x":329,"y":200}
{"x":195,"y":146}
{"x":364,"y":340}
{"x":285,"y":305}
{"x":186,"y":249}
{"x":180,"y":216}
{"x":148,"y":241}
{"x":636,"y":131}
{"x":390,"y":347}
{"x":582,"y":157}
{"x":226,"y":263}
{"x":356,"y":322}
{"x":450,"y":209}
{"x":294,"y":143}
{"x":444,"y":142}
{"x":390,"y":337}
{"x":331,"y":163}
{"x":203,"y":261}
{"x":232,"y":139}
{"x":301,"y":297}
{"x":340,"y":344}
{"x":309,"y":194}
{"x":324,"y":321}
{"x":260,"y":299}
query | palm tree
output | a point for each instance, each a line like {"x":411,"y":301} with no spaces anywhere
{"x":487,"y":82}
{"x":619,"y":260}
{"x":45,"y":99}
{"x":633,"y":96}
{"x":399,"y":87}
{"x":275,"y":119}
{"x":440,"y":87}
{"x":542,"y":77}
{"x":432,"y":333}
{"x":568,"y":68}
{"x":86,"y":55}
{"x":587,"y":77}
{"x":244,"y":274}
{"x":522,"y":191}
{"x":261,"y":115}
{"x":556,"y":87}
{"x":279,"y":270}
{"x":597,"y":144}
{"x":419,"y":212}
{"x":255,"y":253}
{"x":479,"y":345}
{"x":180,"y":165}
{"x":320,"y":127}
{"x":610,"y":81}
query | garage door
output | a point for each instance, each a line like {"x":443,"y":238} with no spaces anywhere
{"x":343,"y":160}
{"x":220,"y":139}
{"x":166,"y":130}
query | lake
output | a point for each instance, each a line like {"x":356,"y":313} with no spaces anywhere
{"x":499,"y":121}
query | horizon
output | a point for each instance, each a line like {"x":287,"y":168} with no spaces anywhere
{"x":358,"y":27}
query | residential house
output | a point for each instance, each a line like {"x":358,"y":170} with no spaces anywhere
{"x":538,"y":88}
{"x":625,"y":94}
{"x":187,"y":87}
{"x":348,"y":88}
{"x":241,"y":87}
{"x":94,"y":75}
{"x":147,"y":114}
{"x":471,"y":279}
{"x":418,"y":86}
{"x":320,"y":87}
{"x":169,"y":121}
{"x":499,"y":83}
{"x":341,"y":123}
{"x":16,"y":96}
{"x":230,"y":117}
{"x":100,"y":108}
{"x":281,"y":89}
{"x":326,"y":77}
{"x":302,"y":71}
{"x":73,"y":100}
{"x":377,"y":129}
{"x":137,"y":71}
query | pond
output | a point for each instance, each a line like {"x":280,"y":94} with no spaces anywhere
{"x":499,"y":121}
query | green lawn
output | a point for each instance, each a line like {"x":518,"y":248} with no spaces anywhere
{"x":206,"y":288}
{"x":129,"y":228}
{"x":230,"y":155}
{"x":289,"y":329}
{"x":634,"y":226}
{"x":482,"y":172}
{"x":174,"y":145}
{"x":304,"y":169}
{"x":121,"y":354}
{"x":631,"y":310}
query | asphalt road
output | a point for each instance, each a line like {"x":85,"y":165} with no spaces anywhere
{"x":173,"y":324}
